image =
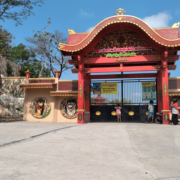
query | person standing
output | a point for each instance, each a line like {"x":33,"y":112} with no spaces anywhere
{"x":175,"y":111}
{"x":150,"y":111}
{"x":118,"y":112}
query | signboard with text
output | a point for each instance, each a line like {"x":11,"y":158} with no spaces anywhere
{"x":105,"y":88}
{"x":148,"y":91}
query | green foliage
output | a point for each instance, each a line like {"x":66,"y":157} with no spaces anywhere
{"x":116,"y":101}
{"x":9,"y":69}
{"x":21,"y":9}
{"x":5,"y":42}
{"x":26,"y":59}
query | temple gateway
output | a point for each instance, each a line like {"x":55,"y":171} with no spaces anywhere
{"x":122,"y":60}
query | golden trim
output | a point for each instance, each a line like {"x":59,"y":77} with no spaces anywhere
{"x":59,"y":92}
{"x":98,"y":113}
{"x":113,"y":113}
{"x":174,"y":78}
{"x":67,"y":80}
{"x":80,"y":110}
{"x":174,"y":94}
{"x":165,"y":89}
{"x":174,"y":90}
{"x":157,"y":67}
{"x":71,"y":31}
{"x":131,"y":113}
{"x":87,"y":61}
{"x":23,"y":77}
{"x":165,"y":111}
{"x":60,"y":44}
{"x":42,"y":78}
{"x":122,"y":59}
{"x":80,"y":90}
{"x":37,"y":84}
{"x":86,"y":70}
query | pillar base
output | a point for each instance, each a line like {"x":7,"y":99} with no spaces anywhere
{"x":165,"y":116}
{"x":87,"y":116}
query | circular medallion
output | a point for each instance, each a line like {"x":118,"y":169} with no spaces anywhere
{"x":68,"y":107}
{"x":147,"y":113}
{"x":113,"y":113}
{"x":98,"y":113}
{"x":131,"y":113}
{"x":40,"y":108}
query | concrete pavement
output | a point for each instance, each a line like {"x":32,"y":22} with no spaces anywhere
{"x":102,"y":151}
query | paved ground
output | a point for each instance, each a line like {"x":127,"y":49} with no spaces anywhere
{"x":95,"y":151}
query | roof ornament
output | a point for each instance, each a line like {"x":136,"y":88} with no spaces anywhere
{"x":71,"y":31}
{"x":176,"y":25}
{"x":120,"y":12}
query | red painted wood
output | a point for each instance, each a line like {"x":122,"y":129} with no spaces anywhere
{"x":114,"y":76}
{"x":124,"y":25}
{"x":81,"y":81}
{"x":124,"y":69}
{"x":135,"y":59}
{"x":87,"y":97}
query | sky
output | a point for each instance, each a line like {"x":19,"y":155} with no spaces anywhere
{"x":83,"y":15}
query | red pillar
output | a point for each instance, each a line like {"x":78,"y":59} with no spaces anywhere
{"x":81,"y":106}
{"x":165,"y":89}
{"x":87,"y":99}
{"x":159,"y":91}
{"x":27,"y":74}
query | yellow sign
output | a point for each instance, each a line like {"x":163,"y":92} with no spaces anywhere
{"x":109,"y":88}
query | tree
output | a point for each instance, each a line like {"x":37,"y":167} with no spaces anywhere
{"x":5,"y":42}
{"x":116,"y":101}
{"x":46,"y":45}
{"x":17,"y":9}
{"x":27,"y":61}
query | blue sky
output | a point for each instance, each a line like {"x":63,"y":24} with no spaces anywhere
{"x":82,"y":15}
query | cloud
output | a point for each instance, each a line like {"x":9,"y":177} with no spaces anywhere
{"x":158,"y":20}
{"x":90,"y":29}
{"x":86,"y":14}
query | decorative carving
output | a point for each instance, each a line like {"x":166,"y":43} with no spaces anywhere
{"x":171,"y":57}
{"x":71,"y":31}
{"x":119,"y":18}
{"x":86,"y":70}
{"x":165,"y":89}
{"x":157,"y":67}
{"x":122,"y":38}
{"x":40,"y":108}
{"x":68,"y":107}
{"x":98,"y":113}
{"x":176,"y":25}
{"x":75,"y":70}
{"x":113,"y":113}
{"x":171,"y":67}
{"x":80,"y":90}
{"x":166,"y":117}
{"x":160,"y":94}
{"x":158,"y":57}
{"x":120,"y":12}
{"x":122,"y":59}
{"x":131,"y":113}
{"x":87,"y":61}
{"x":80,"y":116}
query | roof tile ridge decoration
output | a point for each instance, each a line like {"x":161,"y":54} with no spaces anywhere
{"x":119,"y":19}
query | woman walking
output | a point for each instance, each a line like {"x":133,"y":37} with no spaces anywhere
{"x":118,"y":112}
{"x":175,"y":111}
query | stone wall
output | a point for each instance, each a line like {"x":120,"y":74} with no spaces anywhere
{"x":3,"y":67}
{"x":11,"y":98}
